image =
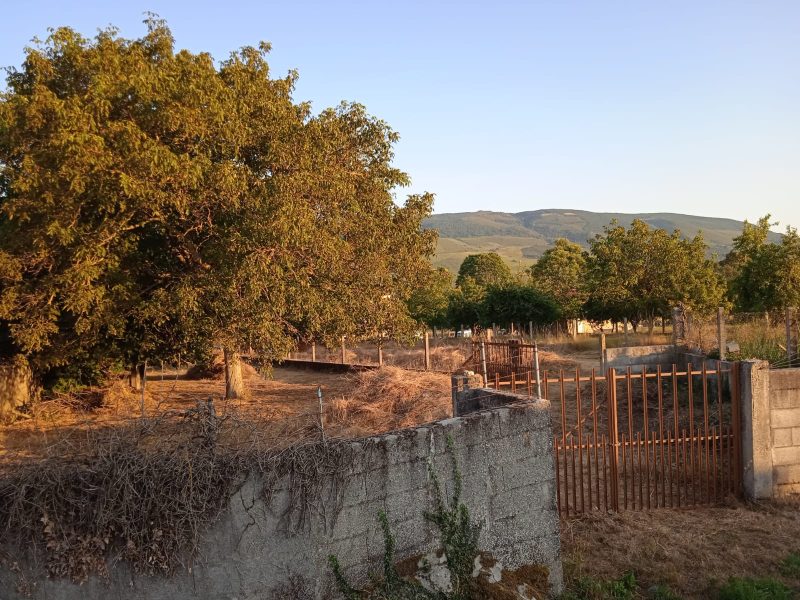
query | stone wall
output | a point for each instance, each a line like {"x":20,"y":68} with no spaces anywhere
{"x":506,"y":461}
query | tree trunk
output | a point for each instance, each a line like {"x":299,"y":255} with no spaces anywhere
{"x":234,"y":384}
{"x":135,"y":378}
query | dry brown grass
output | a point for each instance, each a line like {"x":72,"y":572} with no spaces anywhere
{"x":691,"y":551}
{"x":390,"y":398}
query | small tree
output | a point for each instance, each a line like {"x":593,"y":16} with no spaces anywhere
{"x":561,"y":273}
{"x":484,"y":269}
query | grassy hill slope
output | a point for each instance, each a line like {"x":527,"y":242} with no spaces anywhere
{"x":520,"y":238}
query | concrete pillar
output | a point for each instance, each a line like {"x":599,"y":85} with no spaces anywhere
{"x":755,"y":433}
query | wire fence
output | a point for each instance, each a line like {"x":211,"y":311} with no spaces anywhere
{"x":769,"y":335}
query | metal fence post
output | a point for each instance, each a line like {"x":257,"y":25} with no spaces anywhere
{"x":483,"y":362}
{"x":721,"y":341}
{"x":536,"y":369}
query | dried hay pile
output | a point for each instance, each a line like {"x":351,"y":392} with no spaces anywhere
{"x":215,"y":370}
{"x":391,"y":398}
{"x":552,"y":361}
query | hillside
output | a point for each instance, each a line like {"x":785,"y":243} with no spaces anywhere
{"x":520,"y":238}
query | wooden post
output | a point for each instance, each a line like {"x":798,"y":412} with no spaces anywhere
{"x":427,"y":352}
{"x":313,"y":352}
{"x":530,"y":329}
{"x":536,"y":369}
{"x":344,"y":352}
{"x":791,"y":340}
{"x":602,"y":352}
{"x":625,"y":330}
{"x":721,"y":341}
{"x":380,"y":355}
{"x":321,"y":413}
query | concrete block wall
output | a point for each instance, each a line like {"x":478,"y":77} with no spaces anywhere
{"x":506,"y":462}
{"x":637,"y":357}
{"x":784,"y":390}
{"x":770,"y":404}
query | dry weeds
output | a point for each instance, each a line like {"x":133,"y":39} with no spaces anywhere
{"x":390,"y":398}
{"x":689,"y":550}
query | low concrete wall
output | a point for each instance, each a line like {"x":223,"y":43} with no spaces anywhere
{"x":638,"y":357}
{"x":506,"y":461}
{"x":784,"y":395}
{"x":770,"y":405}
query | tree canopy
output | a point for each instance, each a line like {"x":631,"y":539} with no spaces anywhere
{"x":764,"y":276}
{"x":561,"y":273}
{"x":640,"y":273}
{"x":485,"y":270}
{"x":152,"y":202}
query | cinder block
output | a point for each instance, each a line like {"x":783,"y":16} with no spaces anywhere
{"x":786,"y":456}
{"x":784,"y":474}
{"x":788,"y":417}
{"x":782,"y":437}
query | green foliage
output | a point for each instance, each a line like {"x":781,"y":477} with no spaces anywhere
{"x":588,"y":588}
{"x":465,"y":305}
{"x":459,"y":537}
{"x":790,"y":566}
{"x":561,"y":273}
{"x":641,"y":273}
{"x":518,"y":303}
{"x":430,"y":301}
{"x":152,"y":200}
{"x":746,"y":588}
{"x":459,"y":534}
{"x":661,"y":592}
{"x":764,"y":276}
{"x":487,"y":269}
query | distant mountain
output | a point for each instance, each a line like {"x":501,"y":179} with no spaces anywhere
{"x":521,"y":238}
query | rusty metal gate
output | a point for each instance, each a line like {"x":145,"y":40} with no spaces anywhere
{"x":634,"y":439}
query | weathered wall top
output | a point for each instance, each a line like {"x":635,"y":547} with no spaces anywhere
{"x":504,"y":456}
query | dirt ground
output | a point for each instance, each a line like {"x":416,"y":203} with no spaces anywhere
{"x":282,"y":405}
{"x":691,"y":551}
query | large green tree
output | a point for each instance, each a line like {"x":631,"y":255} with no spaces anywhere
{"x":561,"y":273}
{"x":763,"y":276}
{"x":640,"y":273}
{"x":152,"y":202}
{"x":484,"y":269}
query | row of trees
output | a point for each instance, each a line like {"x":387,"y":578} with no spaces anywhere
{"x":154,"y":203}
{"x":636,"y":273}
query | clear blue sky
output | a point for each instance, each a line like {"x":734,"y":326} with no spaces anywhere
{"x":689,"y":107}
